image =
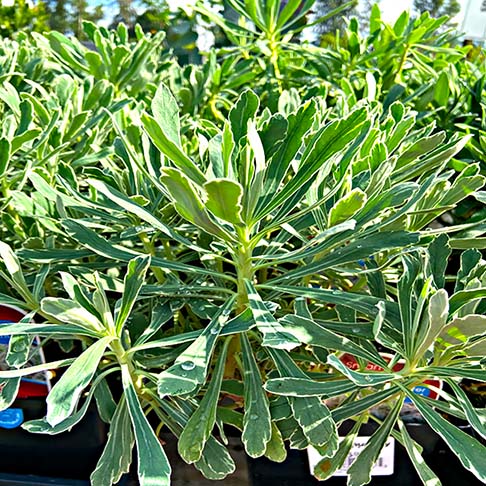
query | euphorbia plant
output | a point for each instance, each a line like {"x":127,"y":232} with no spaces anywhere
{"x":198,"y":276}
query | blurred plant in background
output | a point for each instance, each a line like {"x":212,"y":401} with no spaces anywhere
{"x":18,"y":15}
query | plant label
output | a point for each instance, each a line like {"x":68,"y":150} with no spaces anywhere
{"x":384,"y":465}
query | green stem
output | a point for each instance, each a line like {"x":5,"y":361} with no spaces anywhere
{"x":402,"y":63}
{"x":149,"y":248}
{"x":244,"y":269}
{"x":273,"y":45}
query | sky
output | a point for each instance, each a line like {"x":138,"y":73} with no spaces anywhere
{"x":474,"y":27}
{"x":390,"y":9}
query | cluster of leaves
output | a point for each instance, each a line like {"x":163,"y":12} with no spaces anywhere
{"x":22,"y":15}
{"x":213,"y":251}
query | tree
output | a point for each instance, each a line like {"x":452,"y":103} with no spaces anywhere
{"x":438,"y":8}
{"x":80,"y":10}
{"x":59,"y":15}
{"x":337,"y":22}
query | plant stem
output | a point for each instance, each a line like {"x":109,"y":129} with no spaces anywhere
{"x":273,"y":46}
{"x":149,"y":248}
{"x":244,"y":269}
{"x":398,"y":74}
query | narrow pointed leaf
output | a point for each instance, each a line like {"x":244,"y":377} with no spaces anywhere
{"x":199,"y":427}
{"x":469,"y":451}
{"x":257,"y":420}
{"x":190,"y":368}
{"x":426,"y":474}
{"x":166,"y":113}
{"x":134,"y":279}
{"x":153,"y":465}
{"x":65,"y":394}
{"x":117,"y":454}
{"x":304,"y":387}
{"x":274,"y":334}
{"x":361,"y":379}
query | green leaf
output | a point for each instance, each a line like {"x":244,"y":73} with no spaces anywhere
{"x":469,"y":451}
{"x":437,"y":313}
{"x":199,"y":427}
{"x":35,"y":369}
{"x":360,"y":248}
{"x":276,"y":450}
{"x":360,"y":471}
{"x":224,"y":200}
{"x":244,"y":110}
{"x":104,"y":401}
{"x":455,"y":371}
{"x":190,"y":368}
{"x":172,"y":150}
{"x":361,"y":379}
{"x":475,"y":417}
{"x":327,"y":466}
{"x":42,"y":426}
{"x":257,"y":431}
{"x":357,"y":407}
{"x":134,"y":279}
{"x":311,"y":413}
{"x":463,"y":297}
{"x":305,"y":387}
{"x":117,"y":454}
{"x":65,"y":394}
{"x":216,"y":462}
{"x":439,"y":252}
{"x":442,"y":90}
{"x":298,"y":125}
{"x":72,"y":313}
{"x":319,"y":156}
{"x":426,"y":474}
{"x":460,"y":330}
{"x":4,"y":156}
{"x":166,"y":113}
{"x":188,"y":202}
{"x":153,"y":466}
{"x":8,"y":392}
{"x":469,"y":260}
{"x":347,"y":207}
{"x":274,"y":335}
{"x":99,"y":245}
{"x":132,"y":207}
{"x":47,"y":329}
{"x":362,"y":303}
{"x":14,"y":270}
{"x":310,"y":332}
{"x":161,"y":314}
{"x":18,"y":350}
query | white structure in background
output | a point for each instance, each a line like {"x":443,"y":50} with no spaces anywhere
{"x":474,"y":23}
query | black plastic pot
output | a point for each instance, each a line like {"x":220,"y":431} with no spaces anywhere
{"x":72,"y":455}
{"x":295,"y":470}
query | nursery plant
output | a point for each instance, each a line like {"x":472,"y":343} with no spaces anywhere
{"x":210,"y":268}
{"x":240,"y":269}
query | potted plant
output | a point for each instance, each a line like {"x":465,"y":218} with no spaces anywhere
{"x":215,"y":268}
{"x":249,"y":286}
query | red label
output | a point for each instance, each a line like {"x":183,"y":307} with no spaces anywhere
{"x":352,"y":363}
{"x":10,"y":314}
